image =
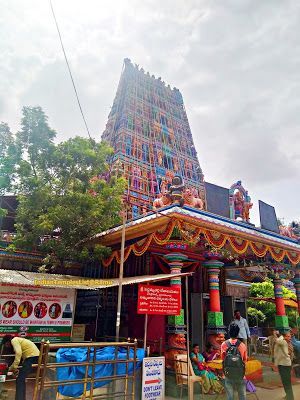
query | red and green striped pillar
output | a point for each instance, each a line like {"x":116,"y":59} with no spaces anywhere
{"x":175,"y":261}
{"x":215,"y":315}
{"x":296,"y":281}
{"x":281,"y":319}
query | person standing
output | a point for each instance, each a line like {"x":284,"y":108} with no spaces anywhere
{"x":283,"y":357}
{"x":234,"y":356}
{"x":29,"y":352}
{"x":296,"y":347}
{"x":242,"y":323}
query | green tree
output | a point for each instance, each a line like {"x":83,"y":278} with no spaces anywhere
{"x":7,"y":157}
{"x":61,"y":200}
{"x":267,"y":308}
{"x":255,"y":316}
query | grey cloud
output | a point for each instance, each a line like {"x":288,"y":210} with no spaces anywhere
{"x":236,"y":63}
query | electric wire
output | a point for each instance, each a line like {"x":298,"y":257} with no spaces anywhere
{"x":70,"y":72}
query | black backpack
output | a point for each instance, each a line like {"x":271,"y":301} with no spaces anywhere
{"x":233,"y":364}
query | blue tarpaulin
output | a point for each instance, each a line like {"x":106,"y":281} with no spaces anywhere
{"x":102,"y":370}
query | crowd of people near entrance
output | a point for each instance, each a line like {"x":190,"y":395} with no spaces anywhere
{"x":285,"y":351}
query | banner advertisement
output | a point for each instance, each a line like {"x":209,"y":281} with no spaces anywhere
{"x":153,"y":383}
{"x":159,"y":300}
{"x":36,"y":312}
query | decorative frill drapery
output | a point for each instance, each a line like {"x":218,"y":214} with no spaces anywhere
{"x":216,"y":239}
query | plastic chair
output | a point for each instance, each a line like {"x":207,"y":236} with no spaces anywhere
{"x":253,"y":344}
{"x":266,"y":346}
{"x":181,"y":372}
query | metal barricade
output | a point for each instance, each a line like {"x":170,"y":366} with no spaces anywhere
{"x":46,"y":379}
{"x":153,"y":344}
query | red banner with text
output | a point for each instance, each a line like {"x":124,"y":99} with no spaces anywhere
{"x":159,"y":300}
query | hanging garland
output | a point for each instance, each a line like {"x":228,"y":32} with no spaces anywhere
{"x":216,"y":239}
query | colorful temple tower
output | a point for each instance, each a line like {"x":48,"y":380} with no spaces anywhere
{"x":150,"y":133}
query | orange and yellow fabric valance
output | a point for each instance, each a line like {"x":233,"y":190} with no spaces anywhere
{"x":214,"y":238}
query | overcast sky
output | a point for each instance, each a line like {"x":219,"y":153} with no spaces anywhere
{"x":236,"y":62}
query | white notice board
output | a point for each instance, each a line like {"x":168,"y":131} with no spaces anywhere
{"x":153,"y":384}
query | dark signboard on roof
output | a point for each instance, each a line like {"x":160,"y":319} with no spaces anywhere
{"x":217,"y":199}
{"x":268,"y":219}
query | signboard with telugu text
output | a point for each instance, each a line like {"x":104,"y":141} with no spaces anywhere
{"x":153,"y":383}
{"x":36,"y":312}
{"x":159,"y":300}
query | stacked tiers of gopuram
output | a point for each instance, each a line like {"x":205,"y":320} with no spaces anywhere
{"x":150,"y":133}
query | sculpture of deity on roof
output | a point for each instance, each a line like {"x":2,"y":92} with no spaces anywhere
{"x":192,"y":199}
{"x":176,"y":190}
{"x":162,"y":200}
{"x":240,"y":202}
{"x":288,"y":232}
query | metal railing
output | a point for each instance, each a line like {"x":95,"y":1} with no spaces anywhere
{"x":46,"y":379}
{"x":156,"y":346}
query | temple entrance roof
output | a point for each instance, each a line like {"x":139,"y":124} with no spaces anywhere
{"x":157,"y":227}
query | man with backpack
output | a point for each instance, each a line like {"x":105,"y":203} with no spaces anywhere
{"x":234,"y":356}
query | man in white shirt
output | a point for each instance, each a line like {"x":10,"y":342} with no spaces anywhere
{"x":242,"y":323}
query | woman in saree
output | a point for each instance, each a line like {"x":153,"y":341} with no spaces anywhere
{"x":210,"y":354}
{"x":211,"y":383}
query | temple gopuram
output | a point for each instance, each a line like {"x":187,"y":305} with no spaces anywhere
{"x":150,"y":133}
{"x":177,"y":222}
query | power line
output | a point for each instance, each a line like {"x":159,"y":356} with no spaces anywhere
{"x":71,"y":76}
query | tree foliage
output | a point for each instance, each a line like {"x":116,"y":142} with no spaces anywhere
{"x":255,"y":316}
{"x":62,"y":198}
{"x":266,"y":310}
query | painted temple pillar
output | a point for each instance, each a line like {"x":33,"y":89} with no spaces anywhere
{"x":175,"y":262}
{"x":296,"y":281}
{"x":176,"y":325}
{"x":281,"y":319}
{"x":215,"y":323}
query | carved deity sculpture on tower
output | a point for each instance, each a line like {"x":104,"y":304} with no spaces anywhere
{"x":153,"y":183}
{"x":136,"y":178}
{"x":145,"y":135}
{"x":163,"y":186}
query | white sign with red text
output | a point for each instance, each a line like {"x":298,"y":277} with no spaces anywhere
{"x":153,"y":384}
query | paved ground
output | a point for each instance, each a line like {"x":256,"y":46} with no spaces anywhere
{"x":269,"y":376}
{"x":173,"y":393}
{"x":262,"y":394}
